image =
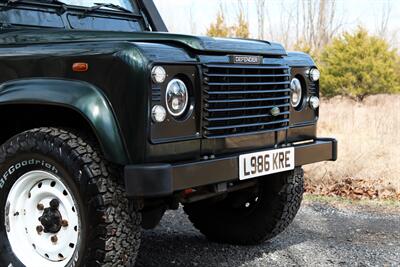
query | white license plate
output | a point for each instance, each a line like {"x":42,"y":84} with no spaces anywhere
{"x":266,"y":162}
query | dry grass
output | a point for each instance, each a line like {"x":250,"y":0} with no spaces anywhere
{"x":369,"y":143}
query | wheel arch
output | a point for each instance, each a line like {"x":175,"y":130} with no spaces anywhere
{"x":39,"y":102}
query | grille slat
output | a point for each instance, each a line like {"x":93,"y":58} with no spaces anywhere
{"x":248,"y":92}
{"x":246,"y":75}
{"x":246,"y":83}
{"x":238,"y":99}
{"x":245,"y":108}
{"x":243,"y":117}
{"x":232,"y":66}
{"x":313,"y":88}
{"x":156,"y":94}
{"x":249,"y":132}
{"x":245,"y":125}
{"x":247,"y":100}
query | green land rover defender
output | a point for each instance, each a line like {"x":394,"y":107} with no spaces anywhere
{"x":107,"y":121}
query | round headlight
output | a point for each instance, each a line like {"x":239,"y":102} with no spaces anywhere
{"x":314,"y":102}
{"x":158,"y":74}
{"x":296,"y":94}
{"x":158,"y":113}
{"x":176,"y":97}
{"x":314,"y":75}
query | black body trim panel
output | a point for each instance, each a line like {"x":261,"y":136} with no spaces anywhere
{"x":155,"y":180}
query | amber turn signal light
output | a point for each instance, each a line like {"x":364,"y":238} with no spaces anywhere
{"x":80,"y":67}
{"x":188,"y":192}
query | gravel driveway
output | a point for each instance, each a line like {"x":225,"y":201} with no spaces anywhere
{"x":320,"y":235}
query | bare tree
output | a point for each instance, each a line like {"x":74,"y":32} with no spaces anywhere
{"x":241,"y":29}
{"x":260,"y":5}
{"x":320,"y":23}
{"x":280,"y":30}
{"x":192,"y":23}
{"x":302,"y":24}
{"x":297,"y":20}
{"x":384,"y":18}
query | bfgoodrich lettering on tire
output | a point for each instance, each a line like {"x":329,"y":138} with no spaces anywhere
{"x":253,"y":216}
{"x":61,"y":204}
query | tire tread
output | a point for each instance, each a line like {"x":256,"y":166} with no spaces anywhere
{"x":266,"y":225}
{"x":115,"y":239}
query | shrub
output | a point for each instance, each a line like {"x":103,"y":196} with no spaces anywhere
{"x":219,"y":28}
{"x":358,"y":65}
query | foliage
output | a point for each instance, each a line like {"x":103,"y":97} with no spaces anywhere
{"x":219,"y":28}
{"x":358,"y":64}
{"x":303,"y":46}
{"x":241,"y":30}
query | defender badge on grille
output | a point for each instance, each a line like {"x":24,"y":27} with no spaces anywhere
{"x":275,"y":111}
{"x":242,"y":59}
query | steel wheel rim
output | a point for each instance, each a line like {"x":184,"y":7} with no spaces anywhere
{"x":27,"y":201}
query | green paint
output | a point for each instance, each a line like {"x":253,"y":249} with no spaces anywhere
{"x":79,"y":96}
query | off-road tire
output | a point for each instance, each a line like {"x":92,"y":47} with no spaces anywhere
{"x":110,"y":232}
{"x":279,"y":199}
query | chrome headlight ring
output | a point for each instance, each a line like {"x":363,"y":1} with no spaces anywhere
{"x":176,"y":97}
{"x":296,"y":92}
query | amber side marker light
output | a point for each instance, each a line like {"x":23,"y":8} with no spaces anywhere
{"x":80,"y":67}
{"x":188,"y":192}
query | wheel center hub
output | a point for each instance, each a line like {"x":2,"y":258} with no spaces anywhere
{"x":43,"y":220}
{"x":51,"y":219}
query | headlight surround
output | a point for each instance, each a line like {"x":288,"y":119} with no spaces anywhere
{"x":296,"y":92}
{"x":314,"y":74}
{"x":176,"y":97}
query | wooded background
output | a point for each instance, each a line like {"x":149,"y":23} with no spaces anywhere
{"x":355,"y":64}
{"x":360,"y":82}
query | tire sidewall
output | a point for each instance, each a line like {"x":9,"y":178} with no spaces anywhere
{"x":11,"y":170}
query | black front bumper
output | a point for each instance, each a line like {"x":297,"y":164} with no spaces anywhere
{"x":157,"y":180}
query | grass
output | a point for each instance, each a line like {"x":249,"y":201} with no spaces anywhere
{"x":369,"y":143}
{"x":347,"y":201}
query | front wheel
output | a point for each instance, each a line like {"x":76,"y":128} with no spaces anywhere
{"x":61,"y":204}
{"x":252,"y":216}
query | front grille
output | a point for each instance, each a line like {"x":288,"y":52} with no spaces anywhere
{"x":238,"y":99}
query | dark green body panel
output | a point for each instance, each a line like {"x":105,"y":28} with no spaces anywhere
{"x":118,"y":72}
{"x":199,"y":44}
{"x":77,"y":95}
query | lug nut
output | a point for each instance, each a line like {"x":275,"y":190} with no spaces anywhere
{"x":64,"y":223}
{"x":39,"y":229}
{"x":40,"y":206}
{"x":54,"y":204}
{"x":54,"y":239}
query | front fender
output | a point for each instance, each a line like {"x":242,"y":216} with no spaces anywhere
{"x":299,"y":59}
{"x":80,"y":96}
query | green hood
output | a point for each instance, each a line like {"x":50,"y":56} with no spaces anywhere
{"x":202,"y":44}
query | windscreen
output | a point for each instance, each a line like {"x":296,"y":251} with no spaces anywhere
{"x":127,"y":4}
{"x":20,"y":16}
